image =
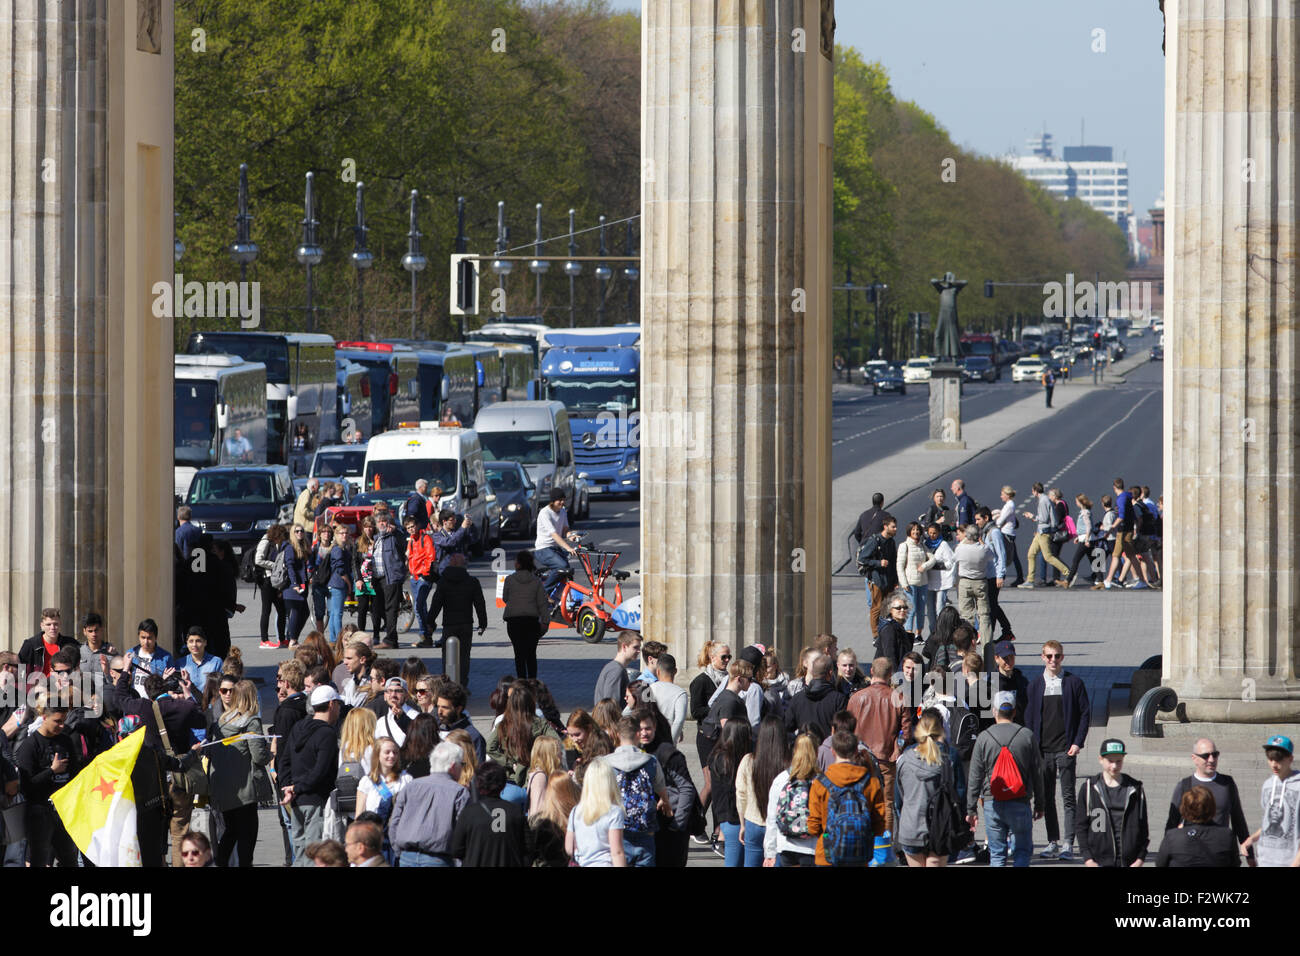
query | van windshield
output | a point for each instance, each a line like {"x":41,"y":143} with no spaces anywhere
{"x":232,"y":488}
{"x":401,"y":474}
{"x":527,"y":448}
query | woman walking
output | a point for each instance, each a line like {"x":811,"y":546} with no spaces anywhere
{"x":527,"y":613}
{"x":238,"y":779}
{"x":363,"y":577}
{"x":914,"y":563}
{"x":267,"y":550}
{"x":297,"y":554}
{"x":1008,"y":523}
{"x":921,"y":771}
{"x":941,"y":577}
{"x":735,"y":742}
{"x":340,"y":580}
{"x":1083,"y":540}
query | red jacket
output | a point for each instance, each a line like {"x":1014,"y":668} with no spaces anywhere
{"x":420,"y":554}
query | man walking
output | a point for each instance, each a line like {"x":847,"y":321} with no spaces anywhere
{"x":884,"y":724}
{"x":1006,"y":789}
{"x":964,"y":505}
{"x":877,"y":559}
{"x":423,"y":823}
{"x":417,"y":506}
{"x":1113,"y":829}
{"x":302,"y":513}
{"x":389,"y":573}
{"x":1049,"y":383}
{"x":996,"y":573}
{"x":1058,"y":713}
{"x":420,"y":555}
{"x":458,"y":596}
{"x":310,"y":766}
{"x":1125,"y":536}
{"x":972,"y":559}
{"x":1228,"y":811}
{"x":1045,"y":523}
{"x":871,"y":521}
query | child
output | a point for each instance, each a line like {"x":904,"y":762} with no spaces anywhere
{"x":1277,"y":841}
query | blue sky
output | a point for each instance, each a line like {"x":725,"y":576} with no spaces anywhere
{"x":995,"y":72}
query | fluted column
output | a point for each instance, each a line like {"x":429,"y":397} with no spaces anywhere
{"x":85,"y":367}
{"x":736,"y":131}
{"x":1232,"y":525}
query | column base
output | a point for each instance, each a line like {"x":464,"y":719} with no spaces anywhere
{"x":1204,"y":710}
{"x":945,"y":446}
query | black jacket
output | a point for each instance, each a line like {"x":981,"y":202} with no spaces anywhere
{"x":1227,"y":813}
{"x":870,"y":522}
{"x":32,"y":653}
{"x":311,"y":761}
{"x":874,"y":550}
{"x":490,"y":832}
{"x":682,"y":794}
{"x":892,"y":642}
{"x":291,"y":710}
{"x":463,"y":723}
{"x":33,"y":758}
{"x":1199,"y":844}
{"x":698,"y":694}
{"x":458,"y":596}
{"x":816,"y":704}
{"x":1092,"y":824}
{"x":544,"y":843}
{"x":1018,"y":684}
{"x":180,"y":716}
{"x":417,"y":509}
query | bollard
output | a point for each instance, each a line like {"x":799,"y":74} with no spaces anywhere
{"x":451,"y":659}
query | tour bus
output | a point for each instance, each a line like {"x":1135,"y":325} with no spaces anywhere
{"x":354,"y":403}
{"x":595,"y":374}
{"x":446,"y":456}
{"x":394,"y":381}
{"x":487,"y":374}
{"x":301,"y":388}
{"x":518,"y":372}
{"x":537,"y":435}
{"x":518,"y":331}
{"x":214,"y":397}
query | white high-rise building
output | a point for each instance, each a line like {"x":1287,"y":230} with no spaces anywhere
{"x":1088,"y":173}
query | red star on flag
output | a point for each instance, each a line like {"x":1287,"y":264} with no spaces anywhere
{"x":105,"y":788}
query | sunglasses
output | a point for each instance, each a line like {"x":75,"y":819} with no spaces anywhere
{"x":422,"y":690}
{"x":1053,"y":657}
{"x":191,"y":852}
{"x":225,"y":690}
{"x":725,"y":657}
{"x":1207,"y":756}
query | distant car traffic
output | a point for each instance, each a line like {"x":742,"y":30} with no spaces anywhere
{"x":1028,"y":369}
{"x":917,"y":370}
{"x":1157,"y":353}
{"x":340,"y":461}
{"x":872,"y":369}
{"x":515,"y":495}
{"x":979,"y":368}
{"x":889,"y":379}
{"x":238,"y":504}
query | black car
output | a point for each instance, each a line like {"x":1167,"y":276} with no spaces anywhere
{"x":516,"y":496}
{"x":238,"y":504}
{"x":979,"y":368}
{"x":889,"y":379}
{"x":1157,"y":353}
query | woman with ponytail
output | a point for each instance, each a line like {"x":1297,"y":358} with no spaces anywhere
{"x":921,"y":770}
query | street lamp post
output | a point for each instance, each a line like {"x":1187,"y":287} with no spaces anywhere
{"x":462,"y":246}
{"x":630,"y":272}
{"x":572,"y":269}
{"x":848,"y":314}
{"x":413,"y":262}
{"x":538,"y":267}
{"x":502,"y":267}
{"x":309,"y":252}
{"x":243,"y":250}
{"x":603,"y":274}
{"x":361,"y":258}
{"x":873,"y":295}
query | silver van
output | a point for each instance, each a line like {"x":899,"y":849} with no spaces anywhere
{"x":535,"y":434}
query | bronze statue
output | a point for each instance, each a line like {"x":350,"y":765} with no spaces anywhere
{"x":947,"y":333}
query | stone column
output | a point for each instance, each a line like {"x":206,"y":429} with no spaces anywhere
{"x":735,"y":460}
{"x":85,"y":368}
{"x":1232,"y":526}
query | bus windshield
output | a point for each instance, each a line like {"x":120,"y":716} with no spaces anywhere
{"x":401,"y":474}
{"x":602,"y":394}
{"x":192,"y":422}
{"x":272,"y":352}
{"x":527,"y":448}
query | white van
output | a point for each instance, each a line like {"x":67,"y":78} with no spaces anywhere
{"x":537,"y":435}
{"x":446,"y":456}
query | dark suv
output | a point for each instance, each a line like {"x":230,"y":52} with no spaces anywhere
{"x":238,"y":504}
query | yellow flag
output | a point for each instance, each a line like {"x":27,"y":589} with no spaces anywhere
{"x":98,"y":806}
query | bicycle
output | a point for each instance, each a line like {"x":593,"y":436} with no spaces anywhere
{"x":586,"y":609}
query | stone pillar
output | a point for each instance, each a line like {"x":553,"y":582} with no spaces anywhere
{"x":1231,"y":432}
{"x":85,"y":368}
{"x":735,"y":460}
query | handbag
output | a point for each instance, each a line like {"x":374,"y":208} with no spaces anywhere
{"x":193,"y":781}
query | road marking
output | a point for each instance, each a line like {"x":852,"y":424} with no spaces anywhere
{"x":900,"y":421}
{"x":1050,"y":481}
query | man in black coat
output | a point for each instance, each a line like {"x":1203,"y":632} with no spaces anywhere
{"x":37,"y":651}
{"x":1228,"y":811}
{"x":308,"y":769}
{"x":817,"y":703}
{"x":878,"y":559}
{"x":458,"y":597}
{"x":490,"y":831}
{"x":417,"y":506}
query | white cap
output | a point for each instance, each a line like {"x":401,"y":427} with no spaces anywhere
{"x":323,"y":695}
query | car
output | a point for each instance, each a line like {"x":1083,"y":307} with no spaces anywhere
{"x":1157,"y":326}
{"x":516,"y":496}
{"x":1157,"y":353}
{"x":872,"y":369}
{"x":340,"y":461}
{"x":1028,"y":369}
{"x":889,"y":379}
{"x":239,"y":503}
{"x":300,"y":482}
{"x":979,"y":368}
{"x":917,"y":370}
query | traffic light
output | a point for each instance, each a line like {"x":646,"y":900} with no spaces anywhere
{"x":988,"y":288}
{"x":871,"y":293}
{"x":1096,"y":340}
{"x":464,"y":285}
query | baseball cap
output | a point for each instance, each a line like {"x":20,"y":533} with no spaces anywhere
{"x":1280,"y":742}
{"x":752,"y":654}
{"x":323,"y":695}
{"x":1111,"y":747}
{"x":1004,"y":700}
{"x":394,"y":682}
{"x":1004,"y":649}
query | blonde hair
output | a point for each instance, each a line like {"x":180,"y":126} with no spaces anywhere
{"x":599,"y":792}
{"x":469,"y":765}
{"x":929,"y":731}
{"x":358,"y":734}
{"x":243,"y":702}
{"x":300,"y":548}
{"x":376,"y":774}
{"x":706,"y":653}
{"x":803,"y":765}
{"x":547,"y":756}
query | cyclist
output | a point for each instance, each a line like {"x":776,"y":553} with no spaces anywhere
{"x":552,"y":548}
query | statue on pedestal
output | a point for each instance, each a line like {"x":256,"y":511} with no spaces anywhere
{"x":947,"y":334}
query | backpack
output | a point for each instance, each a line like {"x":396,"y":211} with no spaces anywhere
{"x":349,"y":778}
{"x":792,"y":808}
{"x":869,"y":549}
{"x":965,"y":734}
{"x":280,"y":573}
{"x":1007,"y":782}
{"x":638,"y":787}
{"x":848,"y":838}
{"x":248,"y":566}
{"x":1146,"y":519}
{"x":947,"y":830}
{"x":1069,"y":526}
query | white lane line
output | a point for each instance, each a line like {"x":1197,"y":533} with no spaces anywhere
{"x":1051,"y":481}
{"x":903,"y":421}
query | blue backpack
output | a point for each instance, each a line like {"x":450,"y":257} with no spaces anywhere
{"x":639,"y":798}
{"x":848,"y":838}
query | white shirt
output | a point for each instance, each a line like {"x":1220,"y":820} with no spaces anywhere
{"x":549,"y":522}
{"x":1007,"y":520}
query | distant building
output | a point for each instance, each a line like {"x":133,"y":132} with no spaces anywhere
{"x":1088,"y":173}
{"x":1151,"y":269}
